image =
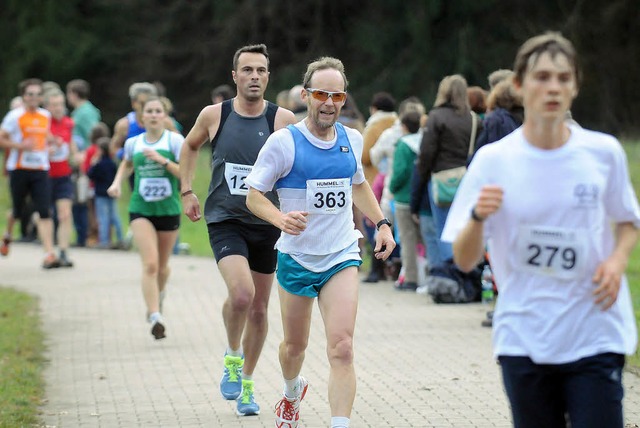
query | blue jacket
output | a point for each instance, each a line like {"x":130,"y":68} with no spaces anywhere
{"x":497,"y":125}
{"x":102,"y":175}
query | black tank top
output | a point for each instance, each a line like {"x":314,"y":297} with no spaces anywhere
{"x":235,"y":147}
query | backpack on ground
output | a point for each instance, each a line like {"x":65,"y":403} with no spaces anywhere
{"x":448,"y":284}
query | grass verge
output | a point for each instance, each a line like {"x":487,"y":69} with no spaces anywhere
{"x":21,"y":360}
{"x":633,"y":270}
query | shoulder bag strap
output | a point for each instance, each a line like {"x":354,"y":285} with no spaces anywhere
{"x":474,"y":126}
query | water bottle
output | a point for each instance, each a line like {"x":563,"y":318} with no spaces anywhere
{"x":487,"y":284}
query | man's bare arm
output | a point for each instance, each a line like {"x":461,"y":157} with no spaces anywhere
{"x":365,"y":201}
{"x":608,"y":274}
{"x":7,"y":143}
{"x":206,"y":126}
{"x":283,"y":118}
{"x":120,"y":131}
{"x":468,"y":248}
{"x":293,"y":222}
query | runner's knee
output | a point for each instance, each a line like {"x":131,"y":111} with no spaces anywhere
{"x":293,"y":349}
{"x":165,"y":271}
{"x":64,"y":215}
{"x":151,"y":268}
{"x":241,"y":298}
{"x":340,"y":351}
{"x":258,"y":315}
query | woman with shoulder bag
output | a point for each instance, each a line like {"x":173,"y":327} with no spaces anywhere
{"x":447,"y":143}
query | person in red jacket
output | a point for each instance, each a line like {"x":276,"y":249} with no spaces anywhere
{"x":62,"y":150}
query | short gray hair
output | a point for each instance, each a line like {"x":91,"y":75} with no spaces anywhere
{"x":142,"y":88}
{"x":498,"y":76}
{"x":324,"y":63}
{"x":50,"y":93}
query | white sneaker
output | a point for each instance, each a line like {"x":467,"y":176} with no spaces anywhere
{"x":288,"y":410}
{"x":157,"y":327}
{"x":422,"y":289}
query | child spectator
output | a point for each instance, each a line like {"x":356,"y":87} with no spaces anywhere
{"x":84,"y":216}
{"x":102,"y":172}
{"x":407,"y":150}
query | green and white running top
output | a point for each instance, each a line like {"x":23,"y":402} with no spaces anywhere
{"x":155,"y":190}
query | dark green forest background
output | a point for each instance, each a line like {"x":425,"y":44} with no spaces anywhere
{"x":403,"y":47}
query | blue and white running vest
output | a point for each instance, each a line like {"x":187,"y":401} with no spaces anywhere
{"x":320,"y":183}
{"x":133,"y":129}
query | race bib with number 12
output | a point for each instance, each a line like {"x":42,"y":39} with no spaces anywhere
{"x":235,"y":174}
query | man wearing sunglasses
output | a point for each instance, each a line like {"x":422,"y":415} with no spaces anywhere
{"x":316,"y":168}
{"x":242,"y":244}
{"x":26,"y":131}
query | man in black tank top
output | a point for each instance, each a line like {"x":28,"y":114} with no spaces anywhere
{"x":243,"y":244}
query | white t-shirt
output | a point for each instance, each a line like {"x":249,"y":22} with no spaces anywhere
{"x":382,"y":158}
{"x":554,"y":228}
{"x":275,"y":161}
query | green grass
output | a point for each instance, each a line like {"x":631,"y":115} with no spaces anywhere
{"x":633,"y":274}
{"x":196,"y":233}
{"x":21,"y":360}
{"x":633,"y":270}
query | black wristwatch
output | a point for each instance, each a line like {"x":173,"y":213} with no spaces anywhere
{"x":475,"y":216}
{"x":382,"y":222}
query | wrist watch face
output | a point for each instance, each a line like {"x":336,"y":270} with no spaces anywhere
{"x":383,"y":221}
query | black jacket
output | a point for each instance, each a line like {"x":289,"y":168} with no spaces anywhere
{"x":445,"y":142}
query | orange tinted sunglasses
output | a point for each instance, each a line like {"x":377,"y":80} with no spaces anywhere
{"x":322,"y":96}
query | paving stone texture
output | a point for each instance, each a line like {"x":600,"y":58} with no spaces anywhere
{"x":418,"y":364}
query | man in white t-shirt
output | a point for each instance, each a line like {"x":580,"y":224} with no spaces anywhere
{"x":316,"y":168}
{"x":556,"y":207}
